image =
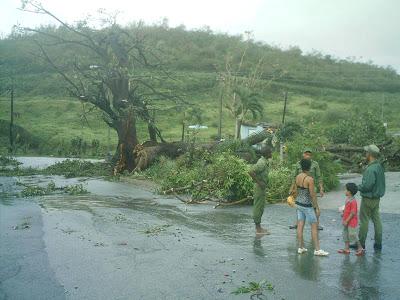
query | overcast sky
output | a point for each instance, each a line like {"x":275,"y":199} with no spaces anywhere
{"x":365,"y":29}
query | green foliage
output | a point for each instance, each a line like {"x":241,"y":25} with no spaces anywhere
{"x":202,"y":51}
{"x":95,"y":146}
{"x":315,"y":141}
{"x":288,"y":130}
{"x":246,"y":101}
{"x":254,"y":288}
{"x":76,"y":189}
{"x":224,"y":175}
{"x":35,"y":190}
{"x":230,"y":174}
{"x":358,"y":129}
{"x":78,"y":168}
{"x":239,"y":148}
{"x":7,"y":161}
{"x":279,"y":180}
{"x":17,"y":171}
{"x":38,"y":135}
{"x":23,"y":139}
{"x":192,"y":56}
{"x":160,"y":168}
{"x":78,"y":146}
{"x":67,"y":168}
{"x":332,"y":116}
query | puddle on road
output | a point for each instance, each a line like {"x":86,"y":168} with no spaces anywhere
{"x":232,"y":224}
{"x":227,"y":225}
{"x":369,"y":277}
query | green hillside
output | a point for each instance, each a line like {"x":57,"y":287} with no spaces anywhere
{"x":321,"y":89}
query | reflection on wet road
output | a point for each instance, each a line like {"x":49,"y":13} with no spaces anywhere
{"x":126,"y":243}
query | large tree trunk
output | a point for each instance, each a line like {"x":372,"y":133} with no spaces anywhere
{"x":127,"y":141}
{"x":146,"y":154}
{"x":258,"y":137}
{"x":152,"y":132}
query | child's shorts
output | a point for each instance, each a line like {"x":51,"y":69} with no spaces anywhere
{"x":350,"y":234}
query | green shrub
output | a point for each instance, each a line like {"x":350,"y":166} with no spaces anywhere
{"x":332,"y":116}
{"x":238,"y":148}
{"x":76,"y":189}
{"x":358,"y":129}
{"x":95,"y":145}
{"x":279,"y":181}
{"x":78,"y":168}
{"x":35,"y":190}
{"x":8,"y":161}
{"x":160,"y":168}
{"x":289,"y":130}
{"x":78,"y":146}
{"x":329,"y":167}
{"x":230,"y":175}
{"x":225,"y":175}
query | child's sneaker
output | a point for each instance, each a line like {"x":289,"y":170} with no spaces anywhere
{"x":301,"y":250}
{"x":320,"y":252}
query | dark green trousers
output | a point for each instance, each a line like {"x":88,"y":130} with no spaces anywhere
{"x":369,"y":210}
{"x":259,"y":203}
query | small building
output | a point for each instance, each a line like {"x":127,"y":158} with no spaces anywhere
{"x":249,"y":129}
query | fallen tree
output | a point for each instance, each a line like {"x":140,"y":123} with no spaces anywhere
{"x":353,"y":155}
{"x":148,"y":152}
{"x":259,"y":137}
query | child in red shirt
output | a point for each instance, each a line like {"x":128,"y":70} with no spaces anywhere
{"x":350,"y":221}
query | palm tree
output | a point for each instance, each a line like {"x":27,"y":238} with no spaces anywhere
{"x":244,"y":101}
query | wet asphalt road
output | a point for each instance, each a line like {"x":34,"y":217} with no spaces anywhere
{"x":121,"y":242}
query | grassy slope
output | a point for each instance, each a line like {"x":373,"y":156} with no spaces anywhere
{"x":57,"y":121}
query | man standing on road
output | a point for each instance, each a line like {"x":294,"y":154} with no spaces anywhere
{"x":259,"y":174}
{"x":315,"y":173}
{"x":371,"y":189}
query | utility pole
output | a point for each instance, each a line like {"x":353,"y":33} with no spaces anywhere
{"x":284,"y":109}
{"x":183,"y":126}
{"x":382,"y":117}
{"x":108,"y":142}
{"x":12,"y":117}
{"x":283,"y":124}
{"x":220,"y":115}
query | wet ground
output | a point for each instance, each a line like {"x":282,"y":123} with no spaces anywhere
{"x":121,"y":242}
{"x":44,"y":162}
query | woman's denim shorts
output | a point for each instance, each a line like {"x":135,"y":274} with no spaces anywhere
{"x":306,"y":214}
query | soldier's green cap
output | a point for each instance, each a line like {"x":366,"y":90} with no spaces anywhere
{"x":373,"y":149}
{"x":307,"y":150}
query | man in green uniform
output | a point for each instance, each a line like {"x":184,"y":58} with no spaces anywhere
{"x":259,"y":174}
{"x":315,"y":173}
{"x":371,"y":189}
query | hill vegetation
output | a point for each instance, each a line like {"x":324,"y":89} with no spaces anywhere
{"x":322,"y":89}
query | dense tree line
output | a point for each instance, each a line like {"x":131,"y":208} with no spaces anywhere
{"x":202,"y":54}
